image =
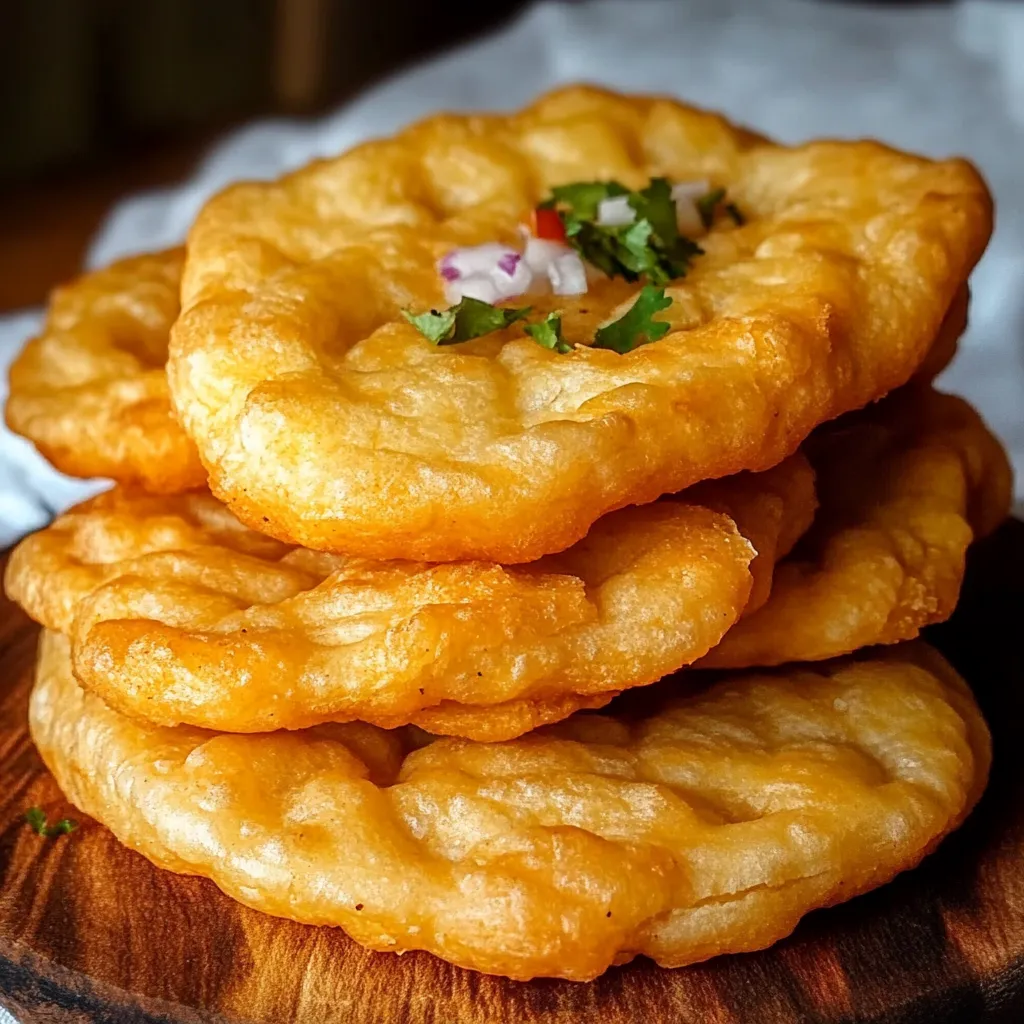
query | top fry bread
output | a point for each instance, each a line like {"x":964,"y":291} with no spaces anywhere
{"x":324,"y":418}
{"x":91,"y":390}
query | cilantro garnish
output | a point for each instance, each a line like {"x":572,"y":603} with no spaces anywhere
{"x":737,"y":216}
{"x":651,"y":245}
{"x":548,"y":334}
{"x":36,"y":818}
{"x":579,"y":201}
{"x":471,"y":318}
{"x":637,"y":325}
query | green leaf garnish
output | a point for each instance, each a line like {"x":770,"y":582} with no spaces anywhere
{"x":656,"y":205}
{"x":470,"y":318}
{"x":36,"y":818}
{"x":548,"y":333}
{"x":580,"y":200}
{"x":650,"y":246}
{"x":434,"y":326}
{"x":737,"y":215}
{"x":637,"y":325}
{"x":707,"y":204}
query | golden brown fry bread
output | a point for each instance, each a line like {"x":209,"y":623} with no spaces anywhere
{"x":904,"y":487}
{"x":326,"y":419}
{"x":710,"y":825}
{"x":944,"y":348}
{"x":91,"y":391}
{"x":180,"y":614}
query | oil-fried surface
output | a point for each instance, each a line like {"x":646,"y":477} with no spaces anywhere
{"x":91,"y":391}
{"x":947,"y":341}
{"x":180,"y":614}
{"x":324,"y":418}
{"x":904,"y":487}
{"x":708,"y":825}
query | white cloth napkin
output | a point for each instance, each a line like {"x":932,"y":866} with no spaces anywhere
{"x":937,"y":79}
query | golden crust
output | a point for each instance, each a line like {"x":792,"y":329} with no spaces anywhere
{"x":904,"y":487}
{"x":90,"y":392}
{"x":325,"y":419}
{"x":947,"y":341}
{"x":180,"y":614}
{"x":709,"y":825}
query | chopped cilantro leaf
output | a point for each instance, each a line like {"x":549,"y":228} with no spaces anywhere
{"x":434,"y":326}
{"x":474,"y":318}
{"x":737,"y":215}
{"x":707,"y":204}
{"x":633,"y":248}
{"x":650,"y":246}
{"x":470,"y":318}
{"x":548,"y":334}
{"x":637,"y":325}
{"x":36,"y":818}
{"x":656,"y":205}
{"x":582,"y":198}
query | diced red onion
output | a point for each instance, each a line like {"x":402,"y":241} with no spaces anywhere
{"x":615,"y":212}
{"x":568,"y":275}
{"x":493,"y":272}
{"x":490,"y":272}
{"x":474,"y":259}
{"x":509,"y":262}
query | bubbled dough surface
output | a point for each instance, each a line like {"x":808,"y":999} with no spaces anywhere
{"x":904,"y":487}
{"x":327,"y":420}
{"x":711,"y":824}
{"x":91,"y":390}
{"x":181,"y":614}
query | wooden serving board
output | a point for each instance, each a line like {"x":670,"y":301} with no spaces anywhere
{"x":90,"y":932}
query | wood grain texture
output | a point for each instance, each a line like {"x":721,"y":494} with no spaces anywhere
{"x":90,"y":932}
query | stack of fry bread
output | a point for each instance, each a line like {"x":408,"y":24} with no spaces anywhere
{"x":521,"y":532}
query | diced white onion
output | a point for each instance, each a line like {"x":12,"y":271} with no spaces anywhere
{"x":688,"y":218}
{"x":473,"y":286}
{"x":540,"y":253}
{"x":690,"y":190}
{"x":615,"y":212}
{"x":686,"y":194}
{"x":568,"y":275}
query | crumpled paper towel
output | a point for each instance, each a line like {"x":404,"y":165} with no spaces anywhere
{"x":940,"y":79}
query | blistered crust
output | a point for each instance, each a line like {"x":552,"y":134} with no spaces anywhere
{"x":326,"y":419}
{"x":181,"y":614}
{"x":709,"y":825}
{"x":904,"y":488}
{"x":90,"y":392}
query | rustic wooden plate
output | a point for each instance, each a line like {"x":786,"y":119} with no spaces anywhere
{"x":90,"y":932}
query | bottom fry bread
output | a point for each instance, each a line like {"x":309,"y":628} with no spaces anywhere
{"x":706,"y":824}
{"x":904,"y":487}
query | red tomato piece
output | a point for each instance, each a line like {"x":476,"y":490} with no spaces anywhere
{"x":547,"y":224}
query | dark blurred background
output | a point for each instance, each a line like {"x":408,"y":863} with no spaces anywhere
{"x":103,"y":97}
